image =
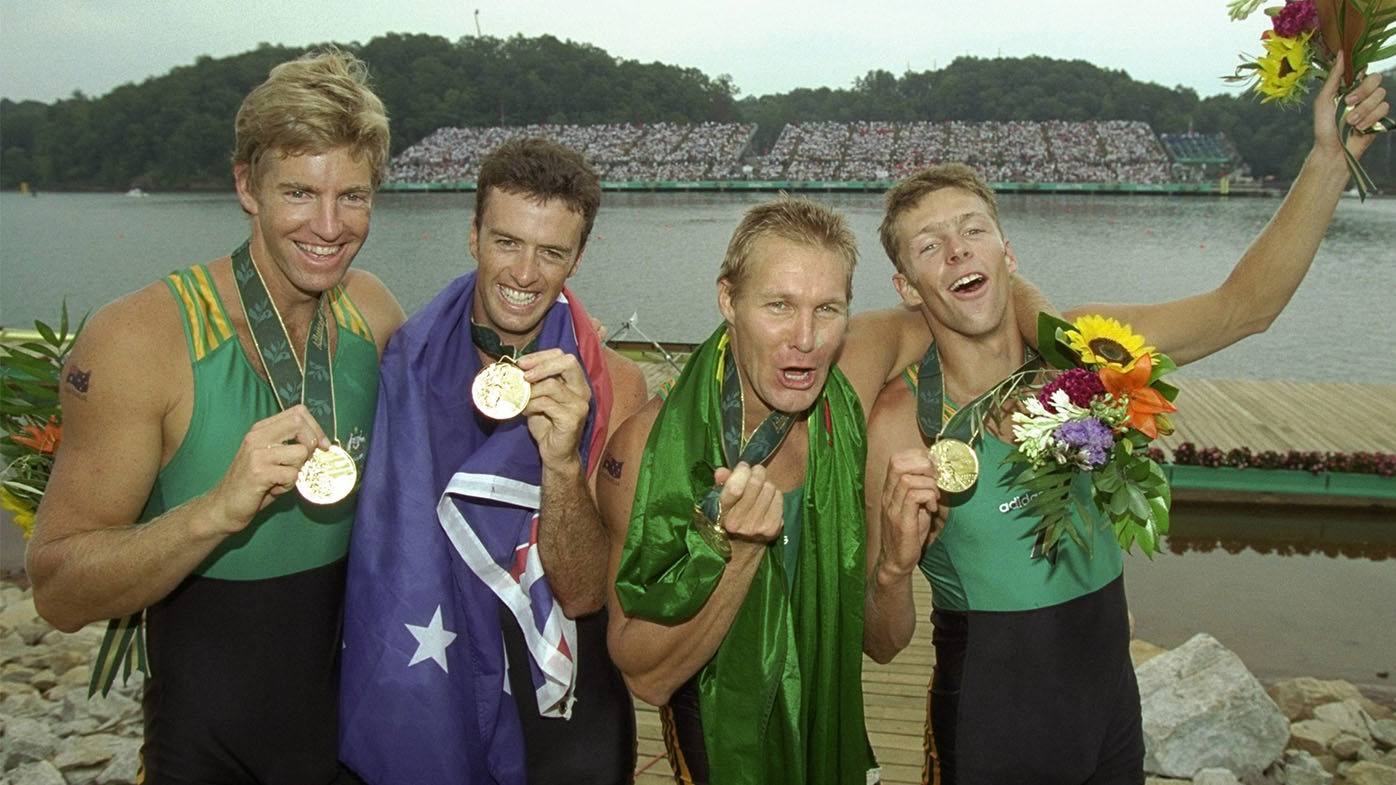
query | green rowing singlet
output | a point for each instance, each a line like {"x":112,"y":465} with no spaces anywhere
{"x":290,"y":535}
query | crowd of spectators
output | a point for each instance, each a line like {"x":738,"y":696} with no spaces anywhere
{"x":1053,"y":151}
{"x":620,"y":152}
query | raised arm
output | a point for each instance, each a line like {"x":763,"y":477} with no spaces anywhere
{"x":1271,"y":269}
{"x":1028,"y":302}
{"x":656,"y":659}
{"x":123,"y":417}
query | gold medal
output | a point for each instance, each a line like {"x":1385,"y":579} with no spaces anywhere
{"x":500,"y":390}
{"x":712,"y":533}
{"x":957,"y":467}
{"x":327,"y":476}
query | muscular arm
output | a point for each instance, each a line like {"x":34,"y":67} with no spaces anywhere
{"x":1270,"y":270}
{"x":655,"y":658}
{"x":900,"y":503}
{"x":881,"y":342}
{"x":571,"y":536}
{"x":1028,"y":302}
{"x":88,"y":559}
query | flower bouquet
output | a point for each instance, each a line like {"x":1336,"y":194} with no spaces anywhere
{"x":30,"y":416}
{"x":1095,"y":416}
{"x":1302,"y":44}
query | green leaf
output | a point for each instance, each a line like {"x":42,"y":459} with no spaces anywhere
{"x":46,"y":333}
{"x":1138,"y":505}
{"x":1053,"y":351}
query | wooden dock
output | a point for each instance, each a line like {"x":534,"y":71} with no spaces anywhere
{"x":894,"y":697}
{"x":1261,"y":415}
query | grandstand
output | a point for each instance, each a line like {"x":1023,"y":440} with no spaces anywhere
{"x":1016,"y":155}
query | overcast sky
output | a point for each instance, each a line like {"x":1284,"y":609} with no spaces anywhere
{"x":49,"y":48}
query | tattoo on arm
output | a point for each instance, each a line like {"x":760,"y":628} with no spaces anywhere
{"x":612,"y":466}
{"x":78,"y":380}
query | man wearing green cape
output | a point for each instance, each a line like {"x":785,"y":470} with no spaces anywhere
{"x":750,"y":636}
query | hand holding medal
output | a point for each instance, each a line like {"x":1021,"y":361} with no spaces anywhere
{"x":329,"y":474}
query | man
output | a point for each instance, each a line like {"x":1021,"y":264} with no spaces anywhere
{"x":477,"y":567}
{"x":176,"y":491}
{"x":1033,"y":681}
{"x":754,"y":655}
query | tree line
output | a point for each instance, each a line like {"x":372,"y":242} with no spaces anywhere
{"x":175,"y":131}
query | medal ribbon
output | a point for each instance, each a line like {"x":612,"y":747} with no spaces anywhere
{"x":735,"y":449}
{"x":291,"y":383}
{"x":965,"y":424}
{"x":488,"y":341}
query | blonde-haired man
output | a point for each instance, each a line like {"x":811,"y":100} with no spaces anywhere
{"x":179,"y":493}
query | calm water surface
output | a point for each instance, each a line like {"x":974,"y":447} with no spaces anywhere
{"x":657,"y":255}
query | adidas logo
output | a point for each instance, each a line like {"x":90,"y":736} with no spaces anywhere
{"x":1019,"y":502}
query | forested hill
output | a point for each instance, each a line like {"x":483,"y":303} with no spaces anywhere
{"x":175,"y":130}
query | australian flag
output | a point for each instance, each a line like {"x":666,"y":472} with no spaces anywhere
{"x":446,"y":536}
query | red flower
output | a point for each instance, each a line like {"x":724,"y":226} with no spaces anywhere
{"x":1144,"y":401}
{"x":41,"y":439}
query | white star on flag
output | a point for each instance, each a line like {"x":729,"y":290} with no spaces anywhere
{"x":432,"y":641}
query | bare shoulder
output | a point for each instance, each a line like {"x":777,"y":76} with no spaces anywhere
{"x":378,"y":305}
{"x":141,"y":331}
{"x":879,"y":344}
{"x":627,"y":386}
{"x":893,"y":416}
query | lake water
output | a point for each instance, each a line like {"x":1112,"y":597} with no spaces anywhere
{"x":657,"y":255}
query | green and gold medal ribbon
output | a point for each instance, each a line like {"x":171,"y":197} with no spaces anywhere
{"x":934,"y":417}
{"x":736,"y":448}
{"x":489,"y":342}
{"x":291,"y":383}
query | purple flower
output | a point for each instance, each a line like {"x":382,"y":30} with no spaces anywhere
{"x":1081,"y":386}
{"x":1090,"y":437}
{"x":1296,"y":17}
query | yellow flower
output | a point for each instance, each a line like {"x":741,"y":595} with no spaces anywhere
{"x":1285,"y":63}
{"x":1103,"y":342}
{"x":23,"y":514}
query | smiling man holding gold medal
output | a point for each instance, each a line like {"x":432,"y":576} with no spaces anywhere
{"x":474,"y":646}
{"x":1033,"y":680}
{"x":214,"y":427}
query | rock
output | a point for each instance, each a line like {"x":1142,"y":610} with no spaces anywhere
{"x":1141,"y":652}
{"x":1346,"y":716}
{"x":18,"y":612}
{"x":1312,"y":736}
{"x":41,"y":773}
{"x":1369,"y":773}
{"x":87,"y":751}
{"x":1301,"y":768}
{"x":27,"y":741}
{"x":124,"y":765}
{"x":1203,"y":709}
{"x":1298,"y":697}
{"x":1215,"y":777}
{"x":1383,"y":732}
{"x":1347,"y":746}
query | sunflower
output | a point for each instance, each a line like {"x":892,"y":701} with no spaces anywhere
{"x":1280,"y":71}
{"x":1103,"y":342}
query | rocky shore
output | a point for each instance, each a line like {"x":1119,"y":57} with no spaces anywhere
{"x":1206,"y":718}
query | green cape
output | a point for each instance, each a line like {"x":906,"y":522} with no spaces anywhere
{"x":782,"y":699}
